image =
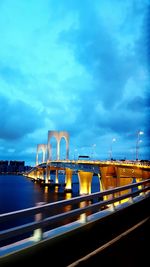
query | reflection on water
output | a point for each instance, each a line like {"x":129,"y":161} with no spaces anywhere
{"x":46,"y":189}
{"x":18,"y":192}
{"x":56,"y":189}
{"x":46,"y":193}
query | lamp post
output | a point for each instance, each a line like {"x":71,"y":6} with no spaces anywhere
{"x":113,"y":140}
{"x":137,"y":143}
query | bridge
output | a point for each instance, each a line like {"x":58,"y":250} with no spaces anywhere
{"x":88,"y":224}
{"x":111,"y":173}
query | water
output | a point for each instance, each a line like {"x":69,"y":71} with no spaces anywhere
{"x":19,"y":192}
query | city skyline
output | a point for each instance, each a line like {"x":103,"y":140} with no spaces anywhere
{"x":75,"y":66}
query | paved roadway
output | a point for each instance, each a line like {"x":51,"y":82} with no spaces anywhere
{"x":127,"y":250}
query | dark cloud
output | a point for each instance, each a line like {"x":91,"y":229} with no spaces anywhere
{"x":96,"y":48}
{"x":17,"y":119}
{"x":147,"y":35}
{"x":148,"y":114}
{"x":141,"y":46}
{"x":11,"y":75}
{"x":138,"y":104}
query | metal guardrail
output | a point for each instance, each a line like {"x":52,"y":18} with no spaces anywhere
{"x":42,"y":221}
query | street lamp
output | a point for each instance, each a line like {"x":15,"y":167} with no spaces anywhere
{"x":137,"y":143}
{"x":112,"y":141}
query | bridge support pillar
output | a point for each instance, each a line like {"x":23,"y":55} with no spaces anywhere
{"x":47,"y":176}
{"x":68,"y":179}
{"x":103,"y":172}
{"x":85,"y":179}
{"x":38,"y":174}
{"x":41,"y":176}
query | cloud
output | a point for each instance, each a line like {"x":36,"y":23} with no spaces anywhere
{"x":138,"y":104}
{"x":17,"y":119}
{"x":96,"y":49}
{"x":11,"y":75}
{"x":78,"y":66}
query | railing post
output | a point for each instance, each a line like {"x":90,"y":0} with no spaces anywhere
{"x":143,"y":193}
{"x":83,"y":216}
{"x":111,"y":196}
{"x":38,"y":233}
{"x":131,"y":200}
{"x":112,"y":206}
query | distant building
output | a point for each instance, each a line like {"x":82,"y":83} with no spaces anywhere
{"x":16,"y":166}
{"x":13,"y":166}
{"x":3,"y":166}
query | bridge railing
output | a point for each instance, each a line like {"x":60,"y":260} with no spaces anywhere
{"x":90,"y":203}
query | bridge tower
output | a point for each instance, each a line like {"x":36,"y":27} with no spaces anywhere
{"x":42,"y":147}
{"x":58,"y":136}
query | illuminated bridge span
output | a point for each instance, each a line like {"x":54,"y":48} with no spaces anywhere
{"x":111,"y":173}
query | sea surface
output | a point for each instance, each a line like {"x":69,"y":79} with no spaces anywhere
{"x":19,"y":192}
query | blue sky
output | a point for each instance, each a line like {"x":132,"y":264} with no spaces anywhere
{"x":80,"y":66}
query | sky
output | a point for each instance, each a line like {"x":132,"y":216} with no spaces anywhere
{"x":80,"y":66}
